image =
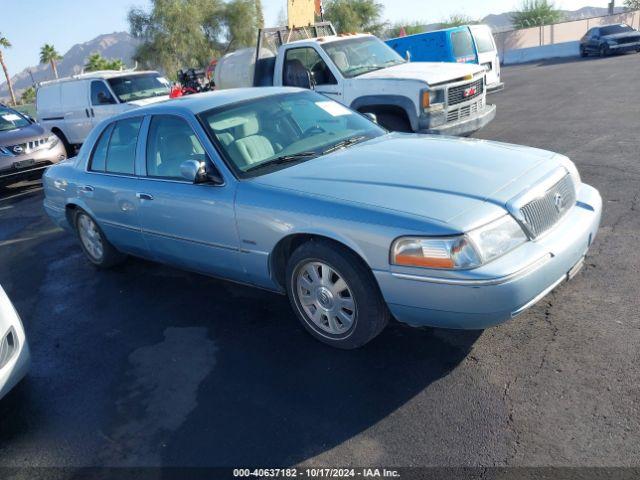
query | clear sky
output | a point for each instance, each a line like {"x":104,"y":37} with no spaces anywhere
{"x":28,"y":24}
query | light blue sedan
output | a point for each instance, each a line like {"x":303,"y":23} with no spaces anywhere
{"x":287,"y":190}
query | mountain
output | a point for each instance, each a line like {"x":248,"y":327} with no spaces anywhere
{"x":113,"y":45}
{"x":502,"y":21}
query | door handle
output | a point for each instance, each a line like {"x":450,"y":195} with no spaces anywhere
{"x":86,"y":110}
{"x":144,"y":196}
{"x":86,"y":188}
{"x":93,"y":113}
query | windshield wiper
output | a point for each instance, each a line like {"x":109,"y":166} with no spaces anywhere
{"x":283,"y":159}
{"x":344,"y":144}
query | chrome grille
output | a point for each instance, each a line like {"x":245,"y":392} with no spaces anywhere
{"x":462,"y":93}
{"x":8,"y":346}
{"x":541,"y":214}
{"x":465,"y":111}
{"x":27,"y":147}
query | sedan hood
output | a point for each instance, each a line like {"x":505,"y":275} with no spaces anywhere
{"x":431,"y":72}
{"x":428,"y":176}
{"x":22,"y":135}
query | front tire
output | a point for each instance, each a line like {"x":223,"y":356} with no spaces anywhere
{"x":583,"y":52}
{"x":394,"y":122}
{"x":604,"y":50}
{"x":94,"y":244}
{"x":334,"y":295}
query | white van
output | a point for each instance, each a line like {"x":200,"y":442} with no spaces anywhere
{"x":487,"y":55}
{"x":71,"y":107}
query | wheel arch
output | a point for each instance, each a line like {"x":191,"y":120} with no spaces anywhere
{"x":397,"y":104}
{"x":287,"y":245}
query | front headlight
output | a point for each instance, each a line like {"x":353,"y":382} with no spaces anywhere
{"x":432,"y":99}
{"x":470,"y":250}
{"x":51,"y":141}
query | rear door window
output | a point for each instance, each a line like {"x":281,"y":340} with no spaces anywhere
{"x":99,"y":156}
{"x":462,"y":44}
{"x":121,"y":155}
{"x":484,"y":41}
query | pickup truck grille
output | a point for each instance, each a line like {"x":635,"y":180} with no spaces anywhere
{"x":465,"y":111}
{"x":543,"y":213}
{"x":464,"y":93}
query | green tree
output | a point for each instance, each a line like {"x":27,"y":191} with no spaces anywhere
{"x":177,"y":34}
{"x":355,"y":15}
{"x":457,"y":20}
{"x":632,"y":4}
{"x":534,"y":13}
{"x":410,"y":28}
{"x":5,"y":43}
{"x":48,"y":54}
{"x":28,"y":95}
{"x":97,"y":62}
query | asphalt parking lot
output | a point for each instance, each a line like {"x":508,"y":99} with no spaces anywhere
{"x":148,"y":365}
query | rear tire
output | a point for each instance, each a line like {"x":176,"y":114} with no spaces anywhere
{"x":340,"y":304}
{"x":94,"y":244}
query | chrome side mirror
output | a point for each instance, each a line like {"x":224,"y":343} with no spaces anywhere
{"x":191,"y":170}
{"x":198,"y":172}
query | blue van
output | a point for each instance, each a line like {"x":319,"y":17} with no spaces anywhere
{"x":466,"y":44}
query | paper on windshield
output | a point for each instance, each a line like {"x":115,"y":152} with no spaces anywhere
{"x":334,"y":109}
{"x":11,"y":117}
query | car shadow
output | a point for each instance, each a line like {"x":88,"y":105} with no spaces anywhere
{"x":149,"y":365}
{"x":261,"y":391}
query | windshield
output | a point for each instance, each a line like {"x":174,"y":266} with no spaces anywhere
{"x":361,"y":55}
{"x":614,"y":29}
{"x":11,"y":120}
{"x":261,"y":135}
{"x":139,"y":87}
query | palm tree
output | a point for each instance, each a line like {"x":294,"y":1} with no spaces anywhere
{"x":5,"y":43}
{"x":48,"y":54}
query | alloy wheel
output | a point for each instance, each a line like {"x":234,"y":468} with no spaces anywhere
{"x":325,"y":297}
{"x":90,"y":237}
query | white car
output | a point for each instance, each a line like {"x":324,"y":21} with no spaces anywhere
{"x":70,"y":107}
{"x":14,"y":349}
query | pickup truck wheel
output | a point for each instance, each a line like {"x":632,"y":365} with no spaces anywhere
{"x":335,"y":295}
{"x":94,"y":244}
{"x":394,"y":122}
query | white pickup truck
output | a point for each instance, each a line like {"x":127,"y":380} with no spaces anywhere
{"x":362,"y":72}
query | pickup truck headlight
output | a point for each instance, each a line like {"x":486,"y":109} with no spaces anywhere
{"x":432,"y":100}
{"x":470,"y":250}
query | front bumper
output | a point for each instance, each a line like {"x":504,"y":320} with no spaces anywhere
{"x":625,"y":47}
{"x":15,"y":168}
{"x":502,"y":289}
{"x":495,"y":87}
{"x":466,"y":125}
{"x":14,"y":354}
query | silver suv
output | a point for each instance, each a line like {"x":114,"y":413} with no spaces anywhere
{"x":25,"y":147}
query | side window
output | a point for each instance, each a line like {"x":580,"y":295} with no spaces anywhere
{"x":462,"y":44}
{"x":99,"y":156}
{"x":100,"y":94}
{"x":121,"y":154}
{"x":309,"y":59}
{"x":171,"y":142}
